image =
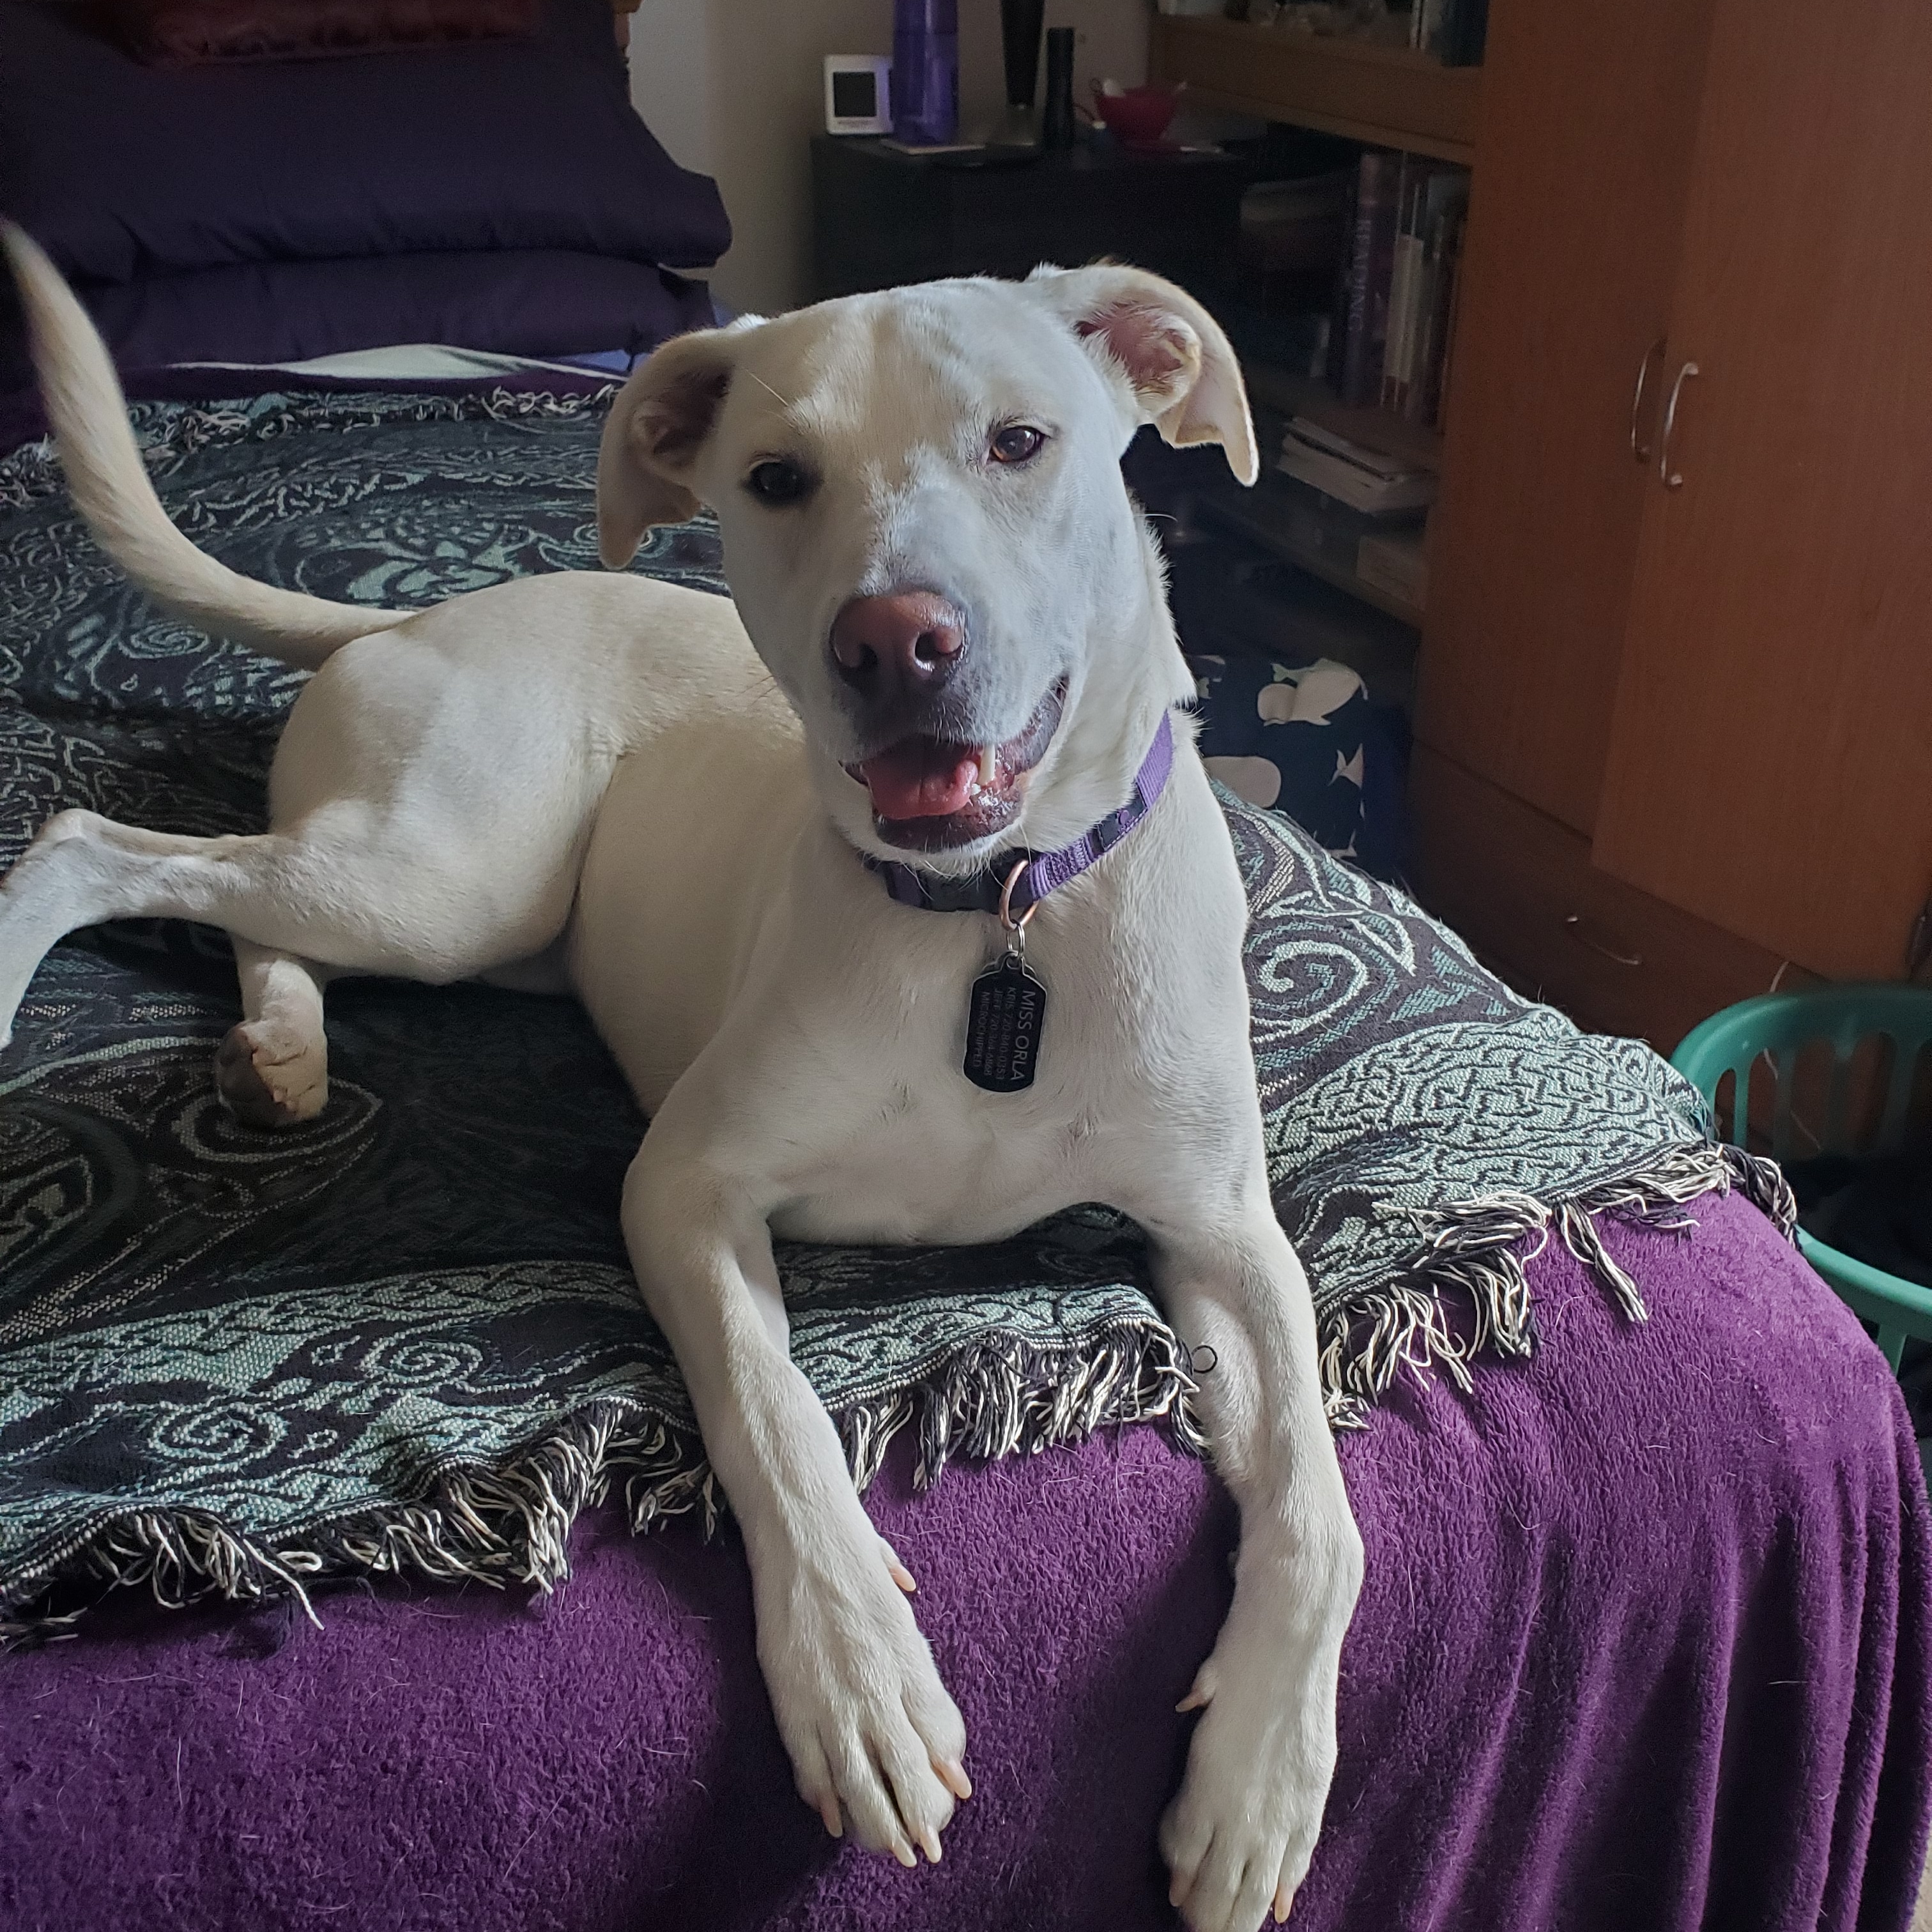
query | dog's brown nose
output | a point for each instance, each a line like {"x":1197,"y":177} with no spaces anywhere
{"x":909,"y":641}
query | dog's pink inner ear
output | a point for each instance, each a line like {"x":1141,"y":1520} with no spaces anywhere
{"x":671,"y":427}
{"x":647,"y":459}
{"x":1168,"y":350}
{"x":1156,"y":348}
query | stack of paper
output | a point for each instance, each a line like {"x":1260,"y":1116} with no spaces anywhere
{"x":1365,"y":479}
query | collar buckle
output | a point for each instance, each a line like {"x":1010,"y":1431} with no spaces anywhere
{"x":1117,"y":825}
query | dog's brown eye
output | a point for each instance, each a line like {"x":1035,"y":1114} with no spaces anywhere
{"x":779,"y":480}
{"x":1017,"y":442}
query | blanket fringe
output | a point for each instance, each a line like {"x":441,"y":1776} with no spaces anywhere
{"x":1474,"y":1258}
{"x":1005,"y":1397}
{"x":1466,"y":1290}
{"x":511,"y":1523}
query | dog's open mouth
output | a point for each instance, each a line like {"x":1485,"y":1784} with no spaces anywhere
{"x":931,"y":793}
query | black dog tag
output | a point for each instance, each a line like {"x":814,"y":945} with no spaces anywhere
{"x":1003,"y":1019}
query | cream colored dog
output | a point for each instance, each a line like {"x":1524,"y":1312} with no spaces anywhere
{"x":959,"y":649}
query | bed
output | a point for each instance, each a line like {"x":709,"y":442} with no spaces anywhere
{"x":1646,"y":1639}
{"x":1603,"y":1676}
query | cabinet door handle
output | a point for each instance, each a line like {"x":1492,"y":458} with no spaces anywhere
{"x":1639,"y":450}
{"x":1574,"y":923}
{"x":1670,"y":478}
{"x":1918,"y":946}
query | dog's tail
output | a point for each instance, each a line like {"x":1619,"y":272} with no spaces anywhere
{"x":111,"y":490}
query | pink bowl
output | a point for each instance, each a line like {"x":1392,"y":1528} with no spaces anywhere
{"x":1140,"y":116}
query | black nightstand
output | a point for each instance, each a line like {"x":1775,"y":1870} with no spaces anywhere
{"x":880,"y":217}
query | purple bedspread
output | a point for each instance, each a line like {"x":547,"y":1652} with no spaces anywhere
{"x":1645,"y":1646}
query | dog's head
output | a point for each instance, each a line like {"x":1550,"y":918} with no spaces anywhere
{"x":928,"y":537}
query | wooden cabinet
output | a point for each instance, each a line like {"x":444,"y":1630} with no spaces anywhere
{"x":1721,"y":686}
{"x":1770,"y":757}
{"x":1520,"y":887}
{"x":1569,"y":259}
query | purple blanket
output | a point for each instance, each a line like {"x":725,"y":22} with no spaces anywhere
{"x":1645,"y":1646}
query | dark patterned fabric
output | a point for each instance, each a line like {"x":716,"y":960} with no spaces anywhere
{"x":1289,"y":737}
{"x":405,"y":1334}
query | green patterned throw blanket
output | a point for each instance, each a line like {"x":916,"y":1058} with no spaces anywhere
{"x":404,"y":1337}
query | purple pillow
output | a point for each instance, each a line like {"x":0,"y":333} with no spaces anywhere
{"x":520,"y":302}
{"x":123,"y":171}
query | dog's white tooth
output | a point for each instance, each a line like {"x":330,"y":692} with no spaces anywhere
{"x":989,"y":764}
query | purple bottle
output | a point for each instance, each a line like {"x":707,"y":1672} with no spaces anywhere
{"x":925,"y":71}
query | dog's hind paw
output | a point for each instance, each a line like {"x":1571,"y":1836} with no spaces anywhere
{"x":268,"y":1075}
{"x":874,"y":1738}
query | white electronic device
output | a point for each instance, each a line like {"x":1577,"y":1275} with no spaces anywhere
{"x":858,"y":94}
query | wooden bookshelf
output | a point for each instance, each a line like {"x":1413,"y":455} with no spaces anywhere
{"x":1385,"y":97}
{"x":1390,"y":97}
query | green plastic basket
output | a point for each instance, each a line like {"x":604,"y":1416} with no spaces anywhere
{"x":1780,"y":1025}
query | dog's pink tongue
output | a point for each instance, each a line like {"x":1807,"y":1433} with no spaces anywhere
{"x":916,"y":778}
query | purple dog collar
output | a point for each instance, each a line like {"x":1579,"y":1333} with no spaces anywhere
{"x":982,"y":891}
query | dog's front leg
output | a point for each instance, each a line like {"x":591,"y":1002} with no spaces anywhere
{"x":1239,"y":1836}
{"x":872,"y":1734}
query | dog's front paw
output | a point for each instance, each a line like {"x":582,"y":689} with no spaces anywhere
{"x":873,"y":1735}
{"x":1238,"y":1838}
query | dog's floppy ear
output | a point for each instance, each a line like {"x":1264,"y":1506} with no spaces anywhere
{"x":1169,"y":351}
{"x":656,"y":428}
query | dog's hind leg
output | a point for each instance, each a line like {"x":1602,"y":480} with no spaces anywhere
{"x":334,"y":893}
{"x":44,"y":898}
{"x":272,"y":1069}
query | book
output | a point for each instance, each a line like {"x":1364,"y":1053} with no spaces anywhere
{"x":1430,"y":195}
{"x":1371,"y":263}
{"x":1423,"y":187}
{"x":1366,"y":480}
{"x":1338,"y":307}
{"x":1436,"y":400}
{"x":1388,"y":330}
{"x":1465,"y":29}
{"x":1402,"y":276}
{"x":1423,"y":336}
{"x":1381,"y":276}
{"x":1439,"y":218}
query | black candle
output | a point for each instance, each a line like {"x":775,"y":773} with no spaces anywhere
{"x":1057,"y":128}
{"x":1020,"y":22}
